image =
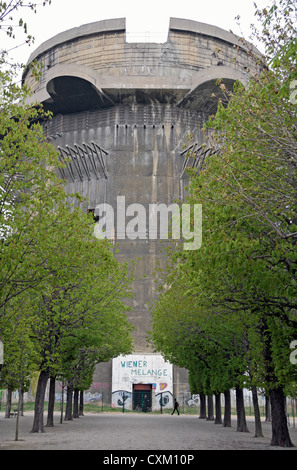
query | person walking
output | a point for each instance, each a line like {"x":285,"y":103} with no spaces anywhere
{"x":176,"y":407}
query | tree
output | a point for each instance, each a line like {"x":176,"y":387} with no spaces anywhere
{"x":209,"y":342}
{"x":248,"y":195}
{"x":245,"y":272}
{"x":55,"y":277}
{"x":25,"y":163}
{"x":81,"y":304}
{"x":11,"y":21}
{"x":103,"y":335}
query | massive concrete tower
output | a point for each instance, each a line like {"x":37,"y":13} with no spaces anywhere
{"x":123,"y":114}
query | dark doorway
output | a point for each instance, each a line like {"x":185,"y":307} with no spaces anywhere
{"x":142,"y":397}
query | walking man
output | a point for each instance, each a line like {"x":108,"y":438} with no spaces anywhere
{"x":176,"y":407}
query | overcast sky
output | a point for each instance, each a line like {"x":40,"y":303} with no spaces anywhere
{"x":144,"y":19}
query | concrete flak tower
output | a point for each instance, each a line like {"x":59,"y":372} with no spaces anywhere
{"x":123,"y":114}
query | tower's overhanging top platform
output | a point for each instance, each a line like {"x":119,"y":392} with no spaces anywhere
{"x":119,"y":25}
{"x":93,"y":66}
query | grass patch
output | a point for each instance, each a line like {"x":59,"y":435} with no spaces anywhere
{"x":97,"y":407}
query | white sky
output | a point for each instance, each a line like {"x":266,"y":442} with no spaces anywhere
{"x":149,"y":18}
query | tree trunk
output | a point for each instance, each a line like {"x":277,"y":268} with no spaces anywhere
{"x":241,"y":419}
{"x":280,"y":432}
{"x":68,"y":411}
{"x":62,"y":403}
{"x":267,"y":408}
{"x":18,"y":414}
{"x":81,"y":403}
{"x":38,"y":425}
{"x":202,"y":406}
{"x":218,"y":419}
{"x":8,"y":403}
{"x":227,"y":410}
{"x":51,"y":402}
{"x":210,"y":416}
{"x":258,"y":425}
{"x":21,"y":413}
{"x":75,"y":403}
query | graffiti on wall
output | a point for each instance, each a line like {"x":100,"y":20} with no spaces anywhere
{"x":141,"y":369}
{"x":194,"y":401}
{"x":96,"y":392}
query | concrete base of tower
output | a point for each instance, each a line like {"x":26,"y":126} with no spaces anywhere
{"x":139,"y":382}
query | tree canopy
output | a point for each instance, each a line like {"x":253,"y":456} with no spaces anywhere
{"x":233,"y":301}
{"x":62,"y":291}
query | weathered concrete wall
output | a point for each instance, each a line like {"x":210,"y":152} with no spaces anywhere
{"x":98,"y":53}
{"x":139,"y":102}
{"x":143,"y":164}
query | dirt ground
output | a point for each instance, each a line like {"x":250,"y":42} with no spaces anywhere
{"x":128,"y":432}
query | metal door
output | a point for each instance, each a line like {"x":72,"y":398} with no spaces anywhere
{"x":142,"y":398}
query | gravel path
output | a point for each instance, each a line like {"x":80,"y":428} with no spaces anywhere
{"x":128,"y":432}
